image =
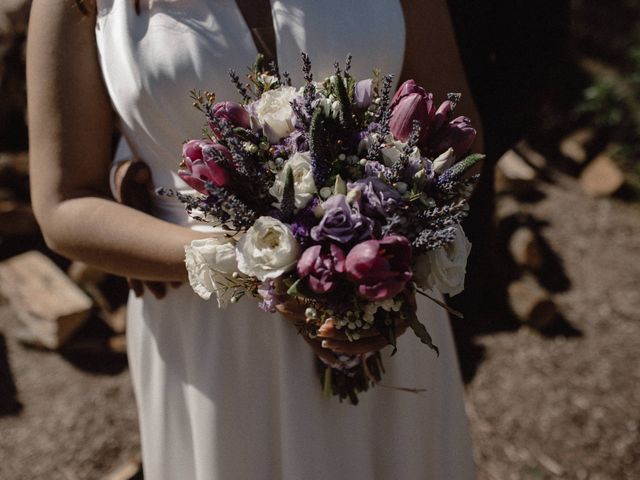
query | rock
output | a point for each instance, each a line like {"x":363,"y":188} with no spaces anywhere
{"x":601,"y":177}
{"x":48,"y":304}
{"x":575,"y":146}
{"x":82,"y":274}
{"x":530,"y":155}
{"x":14,"y":163}
{"x":17,"y":219}
{"x":525,"y":249}
{"x":531,"y":304}
{"x":131,"y":470}
{"x":117,"y":319}
{"x":514,"y":175}
{"x":118,"y":344}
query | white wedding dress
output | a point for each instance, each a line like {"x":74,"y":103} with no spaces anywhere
{"x":234,"y":394}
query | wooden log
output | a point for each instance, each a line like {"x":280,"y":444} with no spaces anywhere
{"x":17,"y":219}
{"x":525,"y":249}
{"x":514,"y":175}
{"x":48,"y":304}
{"x":602,"y":177}
{"x":131,"y":470}
{"x":531,"y":303}
{"x":575,"y":146}
{"x":531,"y":155}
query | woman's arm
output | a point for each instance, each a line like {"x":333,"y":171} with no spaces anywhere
{"x":70,"y":125}
{"x":432,"y":58}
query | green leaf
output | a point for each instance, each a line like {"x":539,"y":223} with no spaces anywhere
{"x":343,"y":98}
{"x":457,"y":170}
{"x":288,"y":203}
{"x":294,"y":289}
{"x":419,"y":329}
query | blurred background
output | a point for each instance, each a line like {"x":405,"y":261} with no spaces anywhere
{"x":549,"y":347}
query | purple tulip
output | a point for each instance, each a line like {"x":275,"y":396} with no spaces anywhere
{"x":380,"y":268}
{"x":411,"y":103}
{"x":232,"y":112}
{"x":341,"y":222}
{"x":378,"y":199}
{"x":442,"y":115}
{"x":363,"y":94}
{"x":322,"y":267}
{"x":458,"y":134}
{"x":200,"y":159}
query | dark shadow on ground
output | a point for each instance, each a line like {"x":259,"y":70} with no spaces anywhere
{"x":89,"y":350}
{"x":9,"y":403}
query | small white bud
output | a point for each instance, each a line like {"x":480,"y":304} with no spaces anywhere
{"x":325,"y":192}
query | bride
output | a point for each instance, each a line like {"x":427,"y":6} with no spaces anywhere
{"x":229,"y":394}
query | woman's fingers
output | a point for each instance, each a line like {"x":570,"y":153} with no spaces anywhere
{"x":327,"y":355}
{"x":329,"y":330}
{"x":364,"y":345}
{"x":157,"y":289}
{"x":136,"y":286}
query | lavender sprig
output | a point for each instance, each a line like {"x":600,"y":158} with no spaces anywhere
{"x":242,"y":89}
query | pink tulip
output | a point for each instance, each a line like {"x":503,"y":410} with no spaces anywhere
{"x":200,"y":158}
{"x":380,"y":268}
{"x":411,"y":103}
{"x":232,"y":112}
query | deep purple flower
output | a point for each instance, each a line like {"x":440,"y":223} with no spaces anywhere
{"x":200,"y":158}
{"x":380,"y":268}
{"x":377,"y":198}
{"x":341,"y":222}
{"x":232,"y":112}
{"x":322,"y":267}
{"x":411,"y":103}
{"x":442,"y":115}
{"x":363,"y":94}
{"x":304,"y":220}
{"x":270,"y":299}
{"x":458,"y":134}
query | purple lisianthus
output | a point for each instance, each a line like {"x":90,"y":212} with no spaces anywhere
{"x":377,"y":198}
{"x":380,"y":268}
{"x":270,"y":299}
{"x":373,"y":168}
{"x":200,"y":158}
{"x":322,"y":267}
{"x":341,"y":222}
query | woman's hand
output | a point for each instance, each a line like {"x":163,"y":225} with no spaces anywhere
{"x":331,"y":341}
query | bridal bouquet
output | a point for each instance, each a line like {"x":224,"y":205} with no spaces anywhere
{"x":335,"y":195}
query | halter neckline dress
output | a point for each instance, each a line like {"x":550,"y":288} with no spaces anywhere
{"x":234,"y":394}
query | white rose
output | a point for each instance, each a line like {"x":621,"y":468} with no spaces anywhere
{"x":210,"y":262}
{"x":275,"y":114}
{"x":267,"y":250}
{"x":444,"y":268}
{"x":303,"y":185}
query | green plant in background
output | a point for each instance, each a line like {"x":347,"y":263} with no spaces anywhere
{"x":612,"y":103}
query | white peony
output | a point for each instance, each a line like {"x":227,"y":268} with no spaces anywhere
{"x":275,"y":114}
{"x":210,"y":262}
{"x":303,"y":185}
{"x":444,"y":268}
{"x":267,"y":250}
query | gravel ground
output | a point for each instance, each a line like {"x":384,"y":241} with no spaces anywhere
{"x":541,"y":406}
{"x":545,"y":407}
